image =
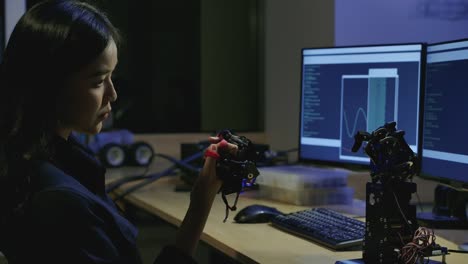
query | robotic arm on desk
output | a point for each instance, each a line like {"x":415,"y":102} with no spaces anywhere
{"x":392,"y":232}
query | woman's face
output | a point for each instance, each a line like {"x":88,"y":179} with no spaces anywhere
{"x":88,"y":94}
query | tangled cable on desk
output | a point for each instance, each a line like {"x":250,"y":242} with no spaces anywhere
{"x":412,"y":252}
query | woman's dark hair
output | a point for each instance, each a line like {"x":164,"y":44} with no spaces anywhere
{"x":51,"y":41}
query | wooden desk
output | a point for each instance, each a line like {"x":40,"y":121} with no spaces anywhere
{"x":247,"y":243}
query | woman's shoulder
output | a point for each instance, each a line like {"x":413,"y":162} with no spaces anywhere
{"x":60,"y":201}
{"x":48,"y":176}
{"x":53,"y":189}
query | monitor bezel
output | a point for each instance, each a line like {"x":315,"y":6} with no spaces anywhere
{"x":353,"y":165}
{"x":447,"y":42}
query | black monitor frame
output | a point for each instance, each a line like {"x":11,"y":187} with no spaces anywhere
{"x":450,"y":196}
{"x":347,"y":164}
{"x":457,"y":185}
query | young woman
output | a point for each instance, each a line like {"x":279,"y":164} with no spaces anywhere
{"x":55,"y":78}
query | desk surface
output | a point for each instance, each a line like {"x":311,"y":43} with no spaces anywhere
{"x":248,"y":243}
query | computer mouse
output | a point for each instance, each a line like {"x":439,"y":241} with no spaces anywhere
{"x":256,"y":213}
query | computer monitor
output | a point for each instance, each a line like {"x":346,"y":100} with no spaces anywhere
{"x":445,"y":133}
{"x":359,"y":88}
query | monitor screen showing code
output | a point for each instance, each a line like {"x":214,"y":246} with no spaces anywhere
{"x":445,"y":140}
{"x":351,"y":89}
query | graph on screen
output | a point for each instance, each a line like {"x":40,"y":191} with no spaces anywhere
{"x":349,"y":89}
{"x":367,"y":101}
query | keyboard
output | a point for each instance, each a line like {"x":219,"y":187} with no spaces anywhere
{"x":324,"y":226}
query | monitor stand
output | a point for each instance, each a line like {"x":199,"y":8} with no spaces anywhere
{"x":449,"y":211}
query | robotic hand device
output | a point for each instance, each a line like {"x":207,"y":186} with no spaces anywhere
{"x":391,"y":157}
{"x":238,"y":169}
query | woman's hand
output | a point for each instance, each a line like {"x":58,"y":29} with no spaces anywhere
{"x":208,"y":182}
{"x":201,"y":199}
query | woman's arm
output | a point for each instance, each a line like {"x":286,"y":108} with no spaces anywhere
{"x":203,"y":193}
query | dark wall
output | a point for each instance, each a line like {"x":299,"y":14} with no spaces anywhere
{"x":231,"y":94}
{"x":168,"y":48}
{"x":159,"y":76}
{"x":175,"y":71}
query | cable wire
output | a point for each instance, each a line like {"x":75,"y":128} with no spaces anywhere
{"x":147,"y":179}
{"x":401,"y":211}
{"x":114,"y":185}
{"x":153,"y":177}
{"x":458,"y":251}
{"x":412,"y":252}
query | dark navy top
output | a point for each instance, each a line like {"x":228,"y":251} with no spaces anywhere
{"x":70,"y":218}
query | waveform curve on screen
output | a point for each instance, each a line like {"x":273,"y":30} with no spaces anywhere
{"x":346,"y":125}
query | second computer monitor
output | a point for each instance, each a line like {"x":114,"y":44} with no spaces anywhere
{"x":351,"y":89}
{"x":445,"y":148}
